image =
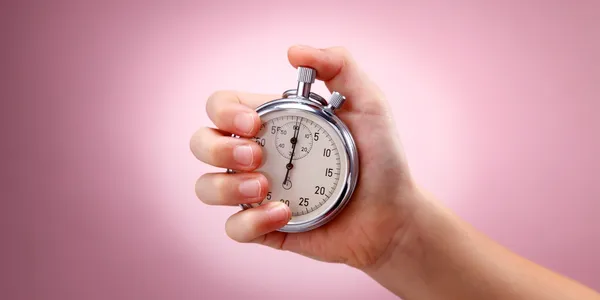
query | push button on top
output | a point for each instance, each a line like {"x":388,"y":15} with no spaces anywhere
{"x":306,"y":75}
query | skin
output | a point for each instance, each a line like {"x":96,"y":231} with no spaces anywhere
{"x":392,"y":230}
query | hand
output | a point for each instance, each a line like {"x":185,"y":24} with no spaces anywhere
{"x":393,"y":231}
{"x":378,"y":216}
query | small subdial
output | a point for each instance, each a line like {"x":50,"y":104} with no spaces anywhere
{"x":284,"y":144}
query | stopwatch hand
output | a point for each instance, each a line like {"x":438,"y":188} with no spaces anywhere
{"x":294,"y":142}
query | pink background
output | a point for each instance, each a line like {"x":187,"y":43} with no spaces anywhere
{"x":497,"y":105}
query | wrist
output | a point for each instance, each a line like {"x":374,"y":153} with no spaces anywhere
{"x":404,"y":268}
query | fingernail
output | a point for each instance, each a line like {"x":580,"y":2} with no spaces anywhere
{"x":250,"y":188}
{"x":244,"y":122}
{"x":243,"y":155}
{"x":278,"y":211}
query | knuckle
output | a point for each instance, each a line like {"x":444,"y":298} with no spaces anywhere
{"x":233,"y":229}
{"x":215,"y":96}
{"x":198,"y":188}
{"x":192,"y":143}
{"x":250,"y":228}
{"x":344,"y":55}
{"x":342,"y":51}
{"x":201,"y":189}
{"x":197,"y":142}
{"x":229,"y":230}
{"x":213,"y":106}
{"x":214,"y":150}
{"x":210,"y":101}
{"x":220,"y":187}
{"x":211,"y":189}
{"x":220,"y":115}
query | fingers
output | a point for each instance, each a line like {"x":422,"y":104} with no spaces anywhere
{"x":233,"y":111}
{"x":252,"y":224}
{"x":231,"y":189}
{"x":340,"y":72}
{"x":215,"y":148}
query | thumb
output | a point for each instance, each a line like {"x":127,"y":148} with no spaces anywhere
{"x":337,"y":68}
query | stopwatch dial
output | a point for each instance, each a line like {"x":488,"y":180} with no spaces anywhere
{"x":304,"y":161}
{"x":293,"y":137}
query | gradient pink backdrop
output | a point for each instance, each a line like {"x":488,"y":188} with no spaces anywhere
{"x":497,"y":104}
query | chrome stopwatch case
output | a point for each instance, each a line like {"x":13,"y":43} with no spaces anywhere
{"x":309,"y":156}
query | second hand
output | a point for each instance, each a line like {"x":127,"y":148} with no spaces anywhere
{"x":294,"y":141}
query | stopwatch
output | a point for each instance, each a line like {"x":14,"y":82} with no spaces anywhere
{"x":309,"y":155}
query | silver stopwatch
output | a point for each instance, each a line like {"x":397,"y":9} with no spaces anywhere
{"x":309,"y":156}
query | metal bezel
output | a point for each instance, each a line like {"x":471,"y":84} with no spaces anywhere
{"x":315,"y":107}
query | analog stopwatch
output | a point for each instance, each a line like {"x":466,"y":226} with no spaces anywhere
{"x":309,"y":156}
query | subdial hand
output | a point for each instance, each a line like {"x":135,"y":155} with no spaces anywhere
{"x":294,"y":141}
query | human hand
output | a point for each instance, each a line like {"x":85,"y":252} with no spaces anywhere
{"x":393,"y":231}
{"x":377,"y":219}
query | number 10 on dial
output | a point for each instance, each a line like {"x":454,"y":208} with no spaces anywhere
{"x":309,"y":155}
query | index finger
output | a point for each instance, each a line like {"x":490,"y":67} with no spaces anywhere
{"x":234,"y":111}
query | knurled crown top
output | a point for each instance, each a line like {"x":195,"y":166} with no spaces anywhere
{"x":336,"y":100}
{"x":306,"y":75}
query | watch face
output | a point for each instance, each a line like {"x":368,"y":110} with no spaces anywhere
{"x":304,"y":160}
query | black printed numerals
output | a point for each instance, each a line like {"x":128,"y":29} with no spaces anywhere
{"x":260,"y":141}
{"x":303,"y":201}
{"x":329,"y":172}
{"x":319,"y":190}
{"x":276,"y":129}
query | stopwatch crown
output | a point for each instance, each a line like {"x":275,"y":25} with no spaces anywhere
{"x":306,"y":75}
{"x":336,"y":100}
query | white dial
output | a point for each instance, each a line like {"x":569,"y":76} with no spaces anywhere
{"x":309,"y":156}
{"x":304,"y":161}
